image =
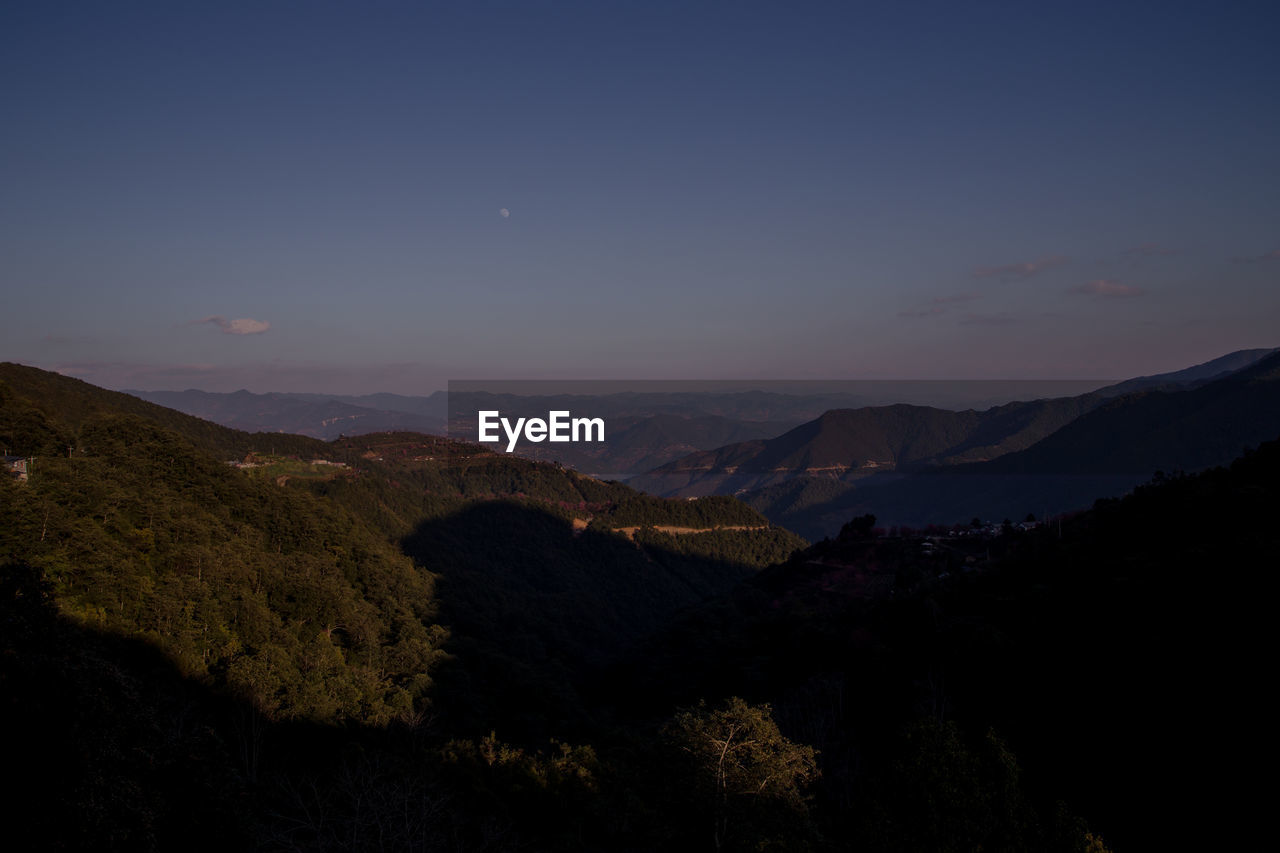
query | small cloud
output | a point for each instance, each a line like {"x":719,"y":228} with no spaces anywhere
{"x":1017,"y":272}
{"x":931,"y":311}
{"x":503,"y":212}
{"x":241,"y":326}
{"x":1273,"y":255}
{"x":1107,"y":287}
{"x":1001,"y":319}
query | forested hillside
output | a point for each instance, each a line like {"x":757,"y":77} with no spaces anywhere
{"x":285,"y":598}
{"x":72,"y":403}
{"x":284,"y":593}
{"x":435,"y":647}
{"x":1112,"y":653}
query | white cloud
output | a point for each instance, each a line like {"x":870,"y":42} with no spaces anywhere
{"x":240,"y":326}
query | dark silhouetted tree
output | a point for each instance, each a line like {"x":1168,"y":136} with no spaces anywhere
{"x":744,"y":772}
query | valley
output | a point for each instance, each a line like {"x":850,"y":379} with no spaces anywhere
{"x":397,"y":624}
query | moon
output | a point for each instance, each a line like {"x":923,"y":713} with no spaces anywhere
{"x":504,"y":213}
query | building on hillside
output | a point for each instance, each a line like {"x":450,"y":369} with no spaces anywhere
{"x":18,"y":466}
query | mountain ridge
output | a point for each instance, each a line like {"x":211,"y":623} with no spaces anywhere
{"x":1105,"y":452}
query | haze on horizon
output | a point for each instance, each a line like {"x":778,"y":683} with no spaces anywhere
{"x":349,"y":198}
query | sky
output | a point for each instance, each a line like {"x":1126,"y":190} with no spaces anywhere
{"x":385,"y":196}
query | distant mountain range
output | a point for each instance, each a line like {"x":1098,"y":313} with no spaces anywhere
{"x":917,"y":465}
{"x":812,"y":459}
{"x":1198,"y":374}
{"x":323,"y":416}
{"x":324,"y":638}
{"x":647,"y":428}
{"x":850,"y":444}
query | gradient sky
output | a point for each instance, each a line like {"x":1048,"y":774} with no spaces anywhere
{"x":378,"y":196}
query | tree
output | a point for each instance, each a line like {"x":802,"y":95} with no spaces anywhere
{"x":742,"y":768}
{"x":858,"y":528}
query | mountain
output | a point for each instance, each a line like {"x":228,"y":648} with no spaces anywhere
{"x":245,"y":577}
{"x":897,"y":461}
{"x":1103,"y":453}
{"x":397,"y":641}
{"x":1184,"y":430}
{"x":63,"y":405}
{"x":177,"y":626}
{"x":850,"y":444}
{"x":1088,"y":648}
{"x":1208,"y":371}
{"x":641,"y":442}
{"x":310,"y":576}
{"x":321,"y":416}
{"x":646,"y":428}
